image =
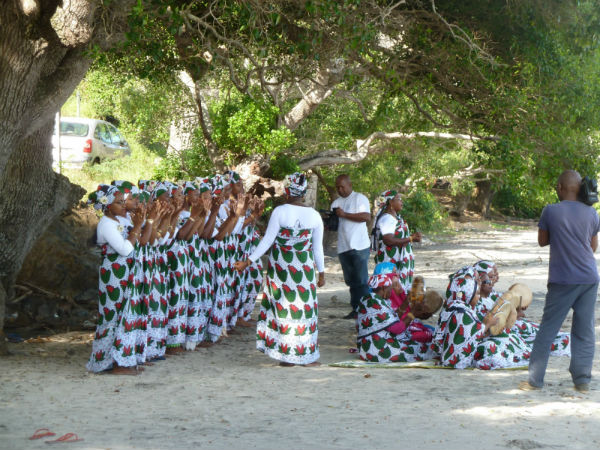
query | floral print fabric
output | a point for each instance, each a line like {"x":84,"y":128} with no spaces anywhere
{"x":287,"y":322}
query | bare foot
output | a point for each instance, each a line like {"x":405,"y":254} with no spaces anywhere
{"x":286,"y":364}
{"x":244,"y":324}
{"x":124,"y":371}
{"x":148,"y":363}
{"x":204,"y":345}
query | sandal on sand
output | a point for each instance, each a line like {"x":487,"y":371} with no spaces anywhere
{"x":69,"y":437}
{"x":41,"y":433}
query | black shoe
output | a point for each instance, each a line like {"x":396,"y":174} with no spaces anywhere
{"x":352,"y":315}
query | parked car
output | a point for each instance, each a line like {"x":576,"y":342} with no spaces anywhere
{"x":87,"y":140}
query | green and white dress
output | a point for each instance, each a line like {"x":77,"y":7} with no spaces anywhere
{"x":402,"y":256}
{"x":115,"y":338}
{"x":376,"y":340}
{"x":287,"y":327}
{"x":460,"y":338}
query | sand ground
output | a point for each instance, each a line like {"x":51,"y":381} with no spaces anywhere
{"x":231,"y":396}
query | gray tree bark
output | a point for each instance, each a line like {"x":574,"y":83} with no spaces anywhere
{"x":42,"y":60}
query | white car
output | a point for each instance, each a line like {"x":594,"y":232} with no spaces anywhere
{"x":86,"y":140}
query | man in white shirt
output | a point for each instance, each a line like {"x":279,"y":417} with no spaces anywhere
{"x":353,"y":244}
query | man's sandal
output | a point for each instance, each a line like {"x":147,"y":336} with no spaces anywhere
{"x":41,"y":433}
{"x":69,"y":437}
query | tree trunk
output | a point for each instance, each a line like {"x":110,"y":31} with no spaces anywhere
{"x":483,"y":197}
{"x":42,"y":60}
{"x":322,"y":88}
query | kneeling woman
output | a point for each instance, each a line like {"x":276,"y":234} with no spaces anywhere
{"x":462,"y":337}
{"x":382,"y":335}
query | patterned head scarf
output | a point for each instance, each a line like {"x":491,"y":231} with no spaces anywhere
{"x":172,"y":187}
{"x":126,"y":187}
{"x":144,"y":196}
{"x":204,"y":184}
{"x":383,"y":199}
{"x":218,"y":184}
{"x":159,"y":189}
{"x":102,"y":197}
{"x":147,"y":185}
{"x":484,"y":266}
{"x":378,"y":281}
{"x":462,"y":286}
{"x":234,"y":177}
{"x":295,"y":185}
{"x":189,"y":186}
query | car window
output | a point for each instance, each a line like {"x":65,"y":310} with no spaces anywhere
{"x":102,"y":133}
{"x":116,"y":137}
{"x":73,"y":129}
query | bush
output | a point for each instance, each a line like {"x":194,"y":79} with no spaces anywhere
{"x":422,"y":211}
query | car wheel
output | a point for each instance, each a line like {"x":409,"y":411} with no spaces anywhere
{"x":96,"y":161}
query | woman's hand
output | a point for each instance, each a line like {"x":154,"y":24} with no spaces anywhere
{"x":207,"y":202}
{"x":153,"y":211}
{"x":416,"y":237}
{"x":321,"y":281}
{"x":241,"y":205}
{"x":489,"y":320}
{"x":138,"y":218}
{"x":240,"y":266}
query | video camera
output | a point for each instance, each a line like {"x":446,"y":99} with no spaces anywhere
{"x":588,"y":191}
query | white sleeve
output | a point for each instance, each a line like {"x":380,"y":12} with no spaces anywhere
{"x":387,"y":224}
{"x":362,"y":204}
{"x":108,"y":231}
{"x":335,"y":203}
{"x":267,"y":241}
{"x":317,"y":240}
{"x":164,"y":239}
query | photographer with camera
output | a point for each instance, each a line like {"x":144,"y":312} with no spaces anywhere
{"x":353,"y":246}
{"x":571,"y":228}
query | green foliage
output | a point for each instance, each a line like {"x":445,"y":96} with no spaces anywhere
{"x":282,"y":165}
{"x":143,"y":109}
{"x":422,"y":211}
{"x":244,"y":127}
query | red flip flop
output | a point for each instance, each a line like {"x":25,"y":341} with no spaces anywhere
{"x":69,"y":437}
{"x":41,"y":433}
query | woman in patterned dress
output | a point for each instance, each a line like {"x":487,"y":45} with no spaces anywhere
{"x":382,"y":335}
{"x":114,"y":345}
{"x":488,"y":273}
{"x":462,"y":338}
{"x":287,"y":324}
{"x":251,"y":279}
{"x":391,"y":239}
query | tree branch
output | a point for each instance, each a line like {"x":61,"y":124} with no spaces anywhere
{"x":366,"y":146}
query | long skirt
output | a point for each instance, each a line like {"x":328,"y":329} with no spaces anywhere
{"x":287,"y":322}
{"x":113,"y":342}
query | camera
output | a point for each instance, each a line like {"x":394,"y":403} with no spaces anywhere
{"x":588,"y":191}
{"x":330,"y":219}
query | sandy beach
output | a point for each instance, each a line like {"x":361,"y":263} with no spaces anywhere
{"x":231,"y":396}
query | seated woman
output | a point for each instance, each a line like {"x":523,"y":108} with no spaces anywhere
{"x":488,"y":273}
{"x":382,"y":335}
{"x":462,"y":338}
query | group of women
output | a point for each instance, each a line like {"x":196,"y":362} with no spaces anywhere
{"x":182,"y":266}
{"x":166,"y":281}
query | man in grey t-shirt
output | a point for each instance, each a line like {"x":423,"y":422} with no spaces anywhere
{"x":571,"y":229}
